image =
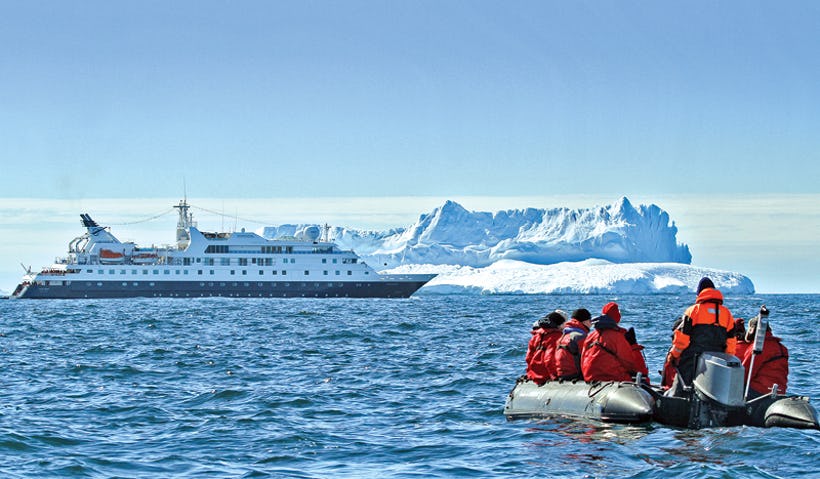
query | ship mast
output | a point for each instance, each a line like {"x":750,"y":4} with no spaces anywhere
{"x":186,"y":220}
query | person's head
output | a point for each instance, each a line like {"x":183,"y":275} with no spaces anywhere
{"x":751,"y":330}
{"x":704,"y":283}
{"x":582,"y":316}
{"x":553,"y":319}
{"x":740,"y":329}
{"x":611,"y":310}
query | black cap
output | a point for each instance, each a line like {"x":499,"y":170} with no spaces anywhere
{"x":581,"y":314}
{"x":705,"y":283}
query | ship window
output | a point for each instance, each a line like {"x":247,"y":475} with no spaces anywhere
{"x":89,"y":271}
{"x":244,"y":272}
{"x":152,"y":284}
{"x":209,"y":261}
{"x":349,"y":273}
{"x":216,"y":248}
{"x":99,"y":284}
{"x":201,"y":285}
{"x":110,"y":271}
{"x":99,"y":271}
{"x":243,"y":261}
{"x":199,"y":260}
{"x":324,"y":260}
{"x":233,"y":272}
{"x":176,"y":272}
{"x":307,"y":273}
{"x":338,"y":272}
{"x":367,"y":272}
{"x":133,"y":271}
{"x":166,"y":271}
{"x":233,"y":284}
{"x":185,"y":271}
{"x":284,"y":272}
{"x":156,"y":271}
{"x":222,"y":285}
{"x":225,"y":261}
{"x":145,"y":271}
{"x":186,"y":261}
{"x":212,"y":272}
{"x":199,"y":271}
{"x":125,"y":283}
{"x":261,"y":272}
{"x":268,"y":261}
{"x":136,"y":284}
{"x":275,"y":272}
{"x":122,"y":271}
{"x":335,"y":260}
{"x":325,"y":272}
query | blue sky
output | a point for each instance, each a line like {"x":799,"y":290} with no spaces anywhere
{"x":429,"y":99}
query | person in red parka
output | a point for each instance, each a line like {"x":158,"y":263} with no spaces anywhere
{"x":770,"y":367}
{"x":607,"y":354}
{"x":541,"y":349}
{"x":740,"y":334}
{"x":569,"y":347}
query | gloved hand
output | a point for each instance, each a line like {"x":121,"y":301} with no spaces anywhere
{"x":630,"y":336}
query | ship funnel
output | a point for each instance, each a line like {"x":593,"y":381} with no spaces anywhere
{"x":88,"y":222}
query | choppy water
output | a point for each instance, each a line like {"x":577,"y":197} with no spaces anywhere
{"x":345,"y":388}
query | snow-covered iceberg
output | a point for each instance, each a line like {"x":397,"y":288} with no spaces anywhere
{"x":582,"y":277}
{"x":618,"y":248}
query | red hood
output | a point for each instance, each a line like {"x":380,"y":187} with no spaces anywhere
{"x":710,"y":294}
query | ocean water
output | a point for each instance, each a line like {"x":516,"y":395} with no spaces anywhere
{"x":347,"y":388}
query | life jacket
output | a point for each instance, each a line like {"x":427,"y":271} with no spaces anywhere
{"x":771,"y":366}
{"x":707,"y":326}
{"x":607,"y":355}
{"x":541,"y":354}
{"x":568,"y":350}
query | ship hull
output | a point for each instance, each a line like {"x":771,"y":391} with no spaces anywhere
{"x":235,"y":289}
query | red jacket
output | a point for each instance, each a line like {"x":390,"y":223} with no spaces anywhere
{"x":740,"y":348}
{"x":607,"y":355}
{"x":541,"y":354}
{"x":771,"y":366}
{"x":568,"y":349}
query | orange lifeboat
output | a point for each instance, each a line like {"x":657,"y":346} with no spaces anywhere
{"x":110,"y":256}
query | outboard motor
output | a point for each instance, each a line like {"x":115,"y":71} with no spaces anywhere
{"x":718,"y":390}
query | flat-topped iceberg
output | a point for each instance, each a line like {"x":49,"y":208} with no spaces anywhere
{"x":582,"y":277}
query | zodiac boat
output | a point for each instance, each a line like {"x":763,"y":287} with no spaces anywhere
{"x":612,"y":401}
{"x":715,"y":399}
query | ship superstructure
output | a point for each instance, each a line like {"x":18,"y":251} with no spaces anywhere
{"x":203,"y":264}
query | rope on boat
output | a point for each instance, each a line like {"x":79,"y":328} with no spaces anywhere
{"x":152,"y":218}
{"x":233,"y":217}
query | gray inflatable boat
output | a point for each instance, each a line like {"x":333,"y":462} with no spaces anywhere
{"x":614,"y":401}
{"x":714,"y":399}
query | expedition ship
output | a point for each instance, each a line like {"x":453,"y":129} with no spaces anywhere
{"x":203,"y":264}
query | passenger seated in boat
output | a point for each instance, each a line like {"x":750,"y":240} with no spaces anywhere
{"x":609,"y":353}
{"x":740,"y":335}
{"x":541,"y":349}
{"x":569,"y":346}
{"x":770,"y":367}
{"x":706,"y":326}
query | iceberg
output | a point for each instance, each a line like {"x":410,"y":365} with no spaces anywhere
{"x":616,"y":248}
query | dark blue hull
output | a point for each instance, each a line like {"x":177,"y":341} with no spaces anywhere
{"x":240,"y":289}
